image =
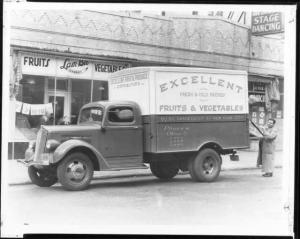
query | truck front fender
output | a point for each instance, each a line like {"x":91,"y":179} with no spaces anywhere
{"x":62,"y":150}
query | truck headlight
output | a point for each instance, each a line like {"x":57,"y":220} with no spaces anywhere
{"x":52,"y":144}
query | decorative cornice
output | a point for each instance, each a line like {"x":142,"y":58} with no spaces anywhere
{"x":188,"y":34}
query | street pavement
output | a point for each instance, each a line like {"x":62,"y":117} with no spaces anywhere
{"x":239,"y":202}
{"x":17,"y":172}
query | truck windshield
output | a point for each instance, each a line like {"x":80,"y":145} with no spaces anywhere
{"x":93,"y":114}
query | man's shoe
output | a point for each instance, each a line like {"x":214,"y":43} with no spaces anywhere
{"x":267,"y":175}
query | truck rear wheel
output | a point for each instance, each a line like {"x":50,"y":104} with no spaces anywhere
{"x":164,"y":170}
{"x":206,"y":166}
{"x":44,"y":177}
{"x":75,"y":172}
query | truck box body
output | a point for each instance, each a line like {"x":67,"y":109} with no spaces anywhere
{"x":184,"y":108}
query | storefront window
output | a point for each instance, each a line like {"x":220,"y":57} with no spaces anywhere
{"x":100,"y":90}
{"x":60,"y":84}
{"x":281,"y":102}
{"x":33,"y":89}
{"x":32,"y":93}
{"x":80,"y":95}
{"x":257,"y":109}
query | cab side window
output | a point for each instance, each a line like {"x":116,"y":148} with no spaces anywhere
{"x":121,"y":114}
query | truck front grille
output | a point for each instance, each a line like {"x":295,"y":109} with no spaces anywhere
{"x":40,"y":143}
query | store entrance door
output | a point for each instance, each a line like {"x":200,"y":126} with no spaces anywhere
{"x":62,"y":110}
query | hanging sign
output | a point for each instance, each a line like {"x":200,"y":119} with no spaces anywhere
{"x":267,"y":23}
{"x":18,"y":106}
{"x":257,"y":98}
{"x":37,"y":109}
{"x":49,"y":108}
{"x":26,"y":109}
{"x":33,"y":109}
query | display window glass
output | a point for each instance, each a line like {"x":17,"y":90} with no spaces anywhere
{"x":100,"y":90}
{"x":61,"y":84}
{"x":80,"y":95}
{"x":31,"y":92}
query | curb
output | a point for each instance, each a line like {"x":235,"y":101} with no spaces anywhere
{"x":143,"y":175}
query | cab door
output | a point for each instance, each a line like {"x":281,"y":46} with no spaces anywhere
{"x":123,"y":137}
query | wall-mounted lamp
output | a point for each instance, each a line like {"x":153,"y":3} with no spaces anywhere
{"x":31,"y":81}
{"x":28,"y":81}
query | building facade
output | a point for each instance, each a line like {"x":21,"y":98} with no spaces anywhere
{"x":66,"y":56}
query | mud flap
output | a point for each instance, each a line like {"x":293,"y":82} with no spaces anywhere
{"x":234,"y":157}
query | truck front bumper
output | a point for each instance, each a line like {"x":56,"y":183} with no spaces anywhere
{"x":29,"y":163}
{"x":44,"y":159}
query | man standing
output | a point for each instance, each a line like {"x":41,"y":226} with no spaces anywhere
{"x":268,"y":148}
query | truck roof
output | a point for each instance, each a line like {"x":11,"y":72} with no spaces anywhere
{"x":108,"y":103}
{"x":177,"y":69}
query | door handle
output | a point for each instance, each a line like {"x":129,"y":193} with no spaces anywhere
{"x":134,"y":127}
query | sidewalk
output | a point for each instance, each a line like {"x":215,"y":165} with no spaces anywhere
{"x":17,"y":172}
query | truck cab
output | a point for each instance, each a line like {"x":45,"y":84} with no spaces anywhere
{"x":108,"y":136}
{"x":120,"y":137}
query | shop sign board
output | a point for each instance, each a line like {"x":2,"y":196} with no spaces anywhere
{"x":257,"y":87}
{"x":267,"y":23}
{"x":102,"y":68}
{"x":38,"y":65}
{"x":68,"y":67}
{"x":74,"y":68}
{"x":258,"y":97}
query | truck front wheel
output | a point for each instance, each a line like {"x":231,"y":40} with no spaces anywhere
{"x":75,"y":171}
{"x":206,"y":166}
{"x":44,"y":177}
{"x":164,"y":170}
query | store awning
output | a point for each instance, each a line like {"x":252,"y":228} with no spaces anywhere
{"x":261,"y":79}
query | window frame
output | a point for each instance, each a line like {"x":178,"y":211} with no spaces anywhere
{"x":111,"y":123}
{"x":91,"y":122}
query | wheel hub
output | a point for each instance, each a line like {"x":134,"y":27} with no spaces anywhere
{"x":76,"y":171}
{"x":208,"y":166}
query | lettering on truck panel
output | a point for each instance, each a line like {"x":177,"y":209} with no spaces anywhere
{"x":201,"y":94}
{"x":202,"y":80}
{"x":176,"y":135}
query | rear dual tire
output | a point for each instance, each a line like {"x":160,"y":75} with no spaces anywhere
{"x":206,"y":166}
{"x":164,"y":170}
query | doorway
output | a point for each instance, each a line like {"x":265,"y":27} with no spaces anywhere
{"x":61,"y":113}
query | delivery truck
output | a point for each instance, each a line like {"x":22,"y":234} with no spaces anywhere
{"x":170,"y":119}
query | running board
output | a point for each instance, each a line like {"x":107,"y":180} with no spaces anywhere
{"x":140,"y":166}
